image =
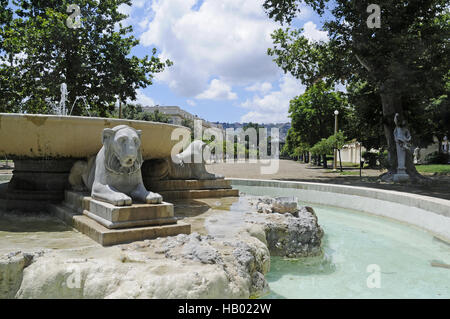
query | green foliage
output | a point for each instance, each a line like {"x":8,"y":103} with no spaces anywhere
{"x":327,"y":146}
{"x":190,"y":125}
{"x":371,"y":158}
{"x":337,"y":140}
{"x":38,"y":52}
{"x":437,"y":158}
{"x":405,"y":62}
{"x":321,"y":147}
{"x":312,"y":115}
{"x":383,"y":159}
{"x":365,"y":116}
{"x":136,"y":112}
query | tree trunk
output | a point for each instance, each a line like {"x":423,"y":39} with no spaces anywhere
{"x":325,"y":164}
{"x":391,"y":103}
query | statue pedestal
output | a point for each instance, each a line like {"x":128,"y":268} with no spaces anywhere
{"x":110,"y":225}
{"x":401,"y":177}
{"x":173,"y":189}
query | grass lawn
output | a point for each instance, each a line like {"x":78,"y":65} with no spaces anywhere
{"x":434,"y":168}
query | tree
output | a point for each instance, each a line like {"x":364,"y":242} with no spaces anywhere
{"x":322,"y":148}
{"x":136,"y":112}
{"x":337,"y":141}
{"x":40,"y":50}
{"x":365,"y":116}
{"x":438,"y":111}
{"x":403,"y":60}
{"x":312,"y":115}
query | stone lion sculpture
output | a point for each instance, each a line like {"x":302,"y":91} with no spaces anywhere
{"x":189,"y":164}
{"x":114,"y":174}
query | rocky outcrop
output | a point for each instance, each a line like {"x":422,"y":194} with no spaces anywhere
{"x":290,"y":231}
{"x":228,"y":260}
{"x":280,"y":205}
{"x":184,"y":266}
{"x":11,"y":272}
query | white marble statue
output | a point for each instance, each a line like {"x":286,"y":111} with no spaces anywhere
{"x":402,"y":138}
{"x":189,"y":164}
{"x":114,"y":175}
{"x":417,"y":159}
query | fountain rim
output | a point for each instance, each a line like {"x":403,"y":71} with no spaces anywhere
{"x":89,"y":119}
{"x":427,"y":213}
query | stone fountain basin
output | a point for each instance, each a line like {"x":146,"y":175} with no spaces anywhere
{"x":53,"y":136}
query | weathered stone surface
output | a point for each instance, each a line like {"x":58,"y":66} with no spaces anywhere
{"x":290,"y":231}
{"x":228,"y":259}
{"x":109,"y":225}
{"x":107,"y":237}
{"x":198,"y":193}
{"x":280,"y":205}
{"x":185,"y":266}
{"x":292,"y":236}
{"x":189,"y":184}
{"x":54,"y":136}
{"x":11,"y":272}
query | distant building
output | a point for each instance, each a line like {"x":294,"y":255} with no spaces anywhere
{"x":352,"y":152}
{"x":177,"y":115}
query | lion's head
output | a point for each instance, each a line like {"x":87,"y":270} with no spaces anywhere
{"x":122,"y":149}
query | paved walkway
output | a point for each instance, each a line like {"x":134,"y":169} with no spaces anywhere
{"x":295,"y":171}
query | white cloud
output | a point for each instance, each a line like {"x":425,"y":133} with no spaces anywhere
{"x":125,"y":9}
{"x":143,"y":23}
{"x":191,"y":102}
{"x":274,"y":106}
{"x":263,"y":87}
{"x":138,"y":3}
{"x":217,"y":90}
{"x":130,"y":11}
{"x":220,"y":39}
{"x":311,"y":32}
{"x":142,"y":99}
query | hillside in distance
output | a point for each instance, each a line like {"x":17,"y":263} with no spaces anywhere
{"x":283,"y":127}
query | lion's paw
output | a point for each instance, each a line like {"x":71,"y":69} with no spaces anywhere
{"x":121,"y":200}
{"x":153,"y":198}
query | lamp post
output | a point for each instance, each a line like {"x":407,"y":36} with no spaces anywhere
{"x":335,"y":146}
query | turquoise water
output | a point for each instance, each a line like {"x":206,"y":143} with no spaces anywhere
{"x":365,"y":256}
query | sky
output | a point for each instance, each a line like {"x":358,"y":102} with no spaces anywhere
{"x":221,"y":69}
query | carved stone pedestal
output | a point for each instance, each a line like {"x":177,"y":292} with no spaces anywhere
{"x":401,"y":178}
{"x":109,"y":225}
{"x":173,"y":189}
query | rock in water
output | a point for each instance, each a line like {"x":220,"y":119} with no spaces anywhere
{"x":281,"y":205}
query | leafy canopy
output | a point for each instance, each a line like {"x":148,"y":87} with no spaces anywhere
{"x":38,"y":52}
